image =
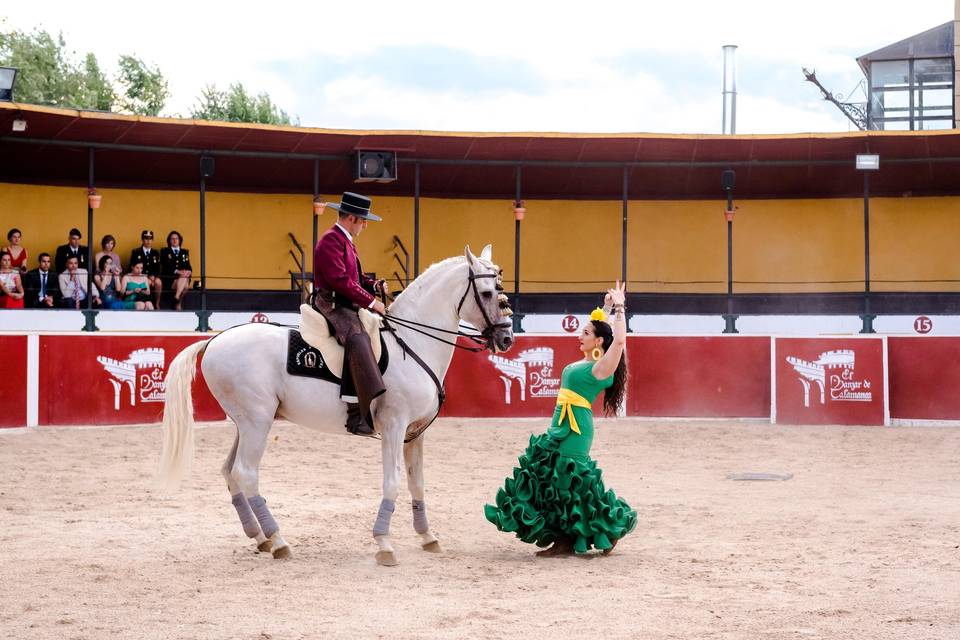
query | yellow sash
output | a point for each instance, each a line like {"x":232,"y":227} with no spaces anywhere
{"x":567,"y":400}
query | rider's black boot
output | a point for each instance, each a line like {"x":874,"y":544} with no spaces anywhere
{"x":355,"y":422}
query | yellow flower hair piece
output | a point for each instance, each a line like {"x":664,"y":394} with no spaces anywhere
{"x":598,"y":314}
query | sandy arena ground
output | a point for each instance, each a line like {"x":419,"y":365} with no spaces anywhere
{"x":861,"y":543}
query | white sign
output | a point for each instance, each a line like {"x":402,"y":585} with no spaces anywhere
{"x":143,"y":374}
{"x":839,"y":366}
{"x":532,"y":370}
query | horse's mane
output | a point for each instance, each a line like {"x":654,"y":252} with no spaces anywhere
{"x":439,"y":266}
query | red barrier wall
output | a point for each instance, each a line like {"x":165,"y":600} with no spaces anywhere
{"x":13,"y":381}
{"x":724,"y":376}
{"x":112,"y":379}
{"x":830,"y":381}
{"x":521,"y":382}
{"x":924,"y":374}
{"x":689,"y":376}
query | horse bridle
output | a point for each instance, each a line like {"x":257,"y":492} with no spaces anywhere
{"x":472,"y":284}
{"x":479,"y":345}
{"x":481,"y":341}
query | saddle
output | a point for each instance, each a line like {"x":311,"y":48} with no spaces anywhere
{"x":315,"y":332}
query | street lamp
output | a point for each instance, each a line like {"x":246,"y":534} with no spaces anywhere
{"x":867,"y":162}
{"x":8,"y":78}
{"x":727,"y":180}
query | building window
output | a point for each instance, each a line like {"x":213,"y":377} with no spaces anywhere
{"x":911,"y":95}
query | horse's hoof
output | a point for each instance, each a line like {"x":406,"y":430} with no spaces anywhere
{"x":432,"y":547}
{"x":386,"y":559}
{"x":264,"y":546}
{"x":283,"y":553}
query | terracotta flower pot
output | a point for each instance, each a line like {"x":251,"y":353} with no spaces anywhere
{"x":94,"y":200}
{"x":318,"y":207}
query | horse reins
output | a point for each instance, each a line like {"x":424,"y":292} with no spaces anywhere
{"x":479,"y":345}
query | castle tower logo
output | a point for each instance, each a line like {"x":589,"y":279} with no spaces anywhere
{"x":142,"y":373}
{"x":532,"y":370}
{"x":833,"y":371}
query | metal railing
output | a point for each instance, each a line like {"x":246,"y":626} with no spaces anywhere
{"x":298,"y":279}
{"x":404,"y":264}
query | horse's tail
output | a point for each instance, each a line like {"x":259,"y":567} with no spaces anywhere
{"x":177,"y":454}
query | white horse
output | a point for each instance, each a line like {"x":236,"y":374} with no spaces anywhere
{"x":245,"y":369}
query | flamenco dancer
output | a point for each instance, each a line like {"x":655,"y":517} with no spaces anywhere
{"x":556,"y":496}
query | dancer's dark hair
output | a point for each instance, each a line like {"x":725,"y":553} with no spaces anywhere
{"x":613,"y":395}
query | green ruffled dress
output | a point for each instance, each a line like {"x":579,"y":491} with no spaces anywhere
{"x":557,"y":491}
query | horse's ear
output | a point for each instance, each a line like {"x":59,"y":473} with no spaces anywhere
{"x":471,"y":259}
{"x":487,"y":253}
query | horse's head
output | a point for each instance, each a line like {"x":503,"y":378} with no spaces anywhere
{"x":483,"y":303}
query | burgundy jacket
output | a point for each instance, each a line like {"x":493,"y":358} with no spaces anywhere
{"x":338,"y":269}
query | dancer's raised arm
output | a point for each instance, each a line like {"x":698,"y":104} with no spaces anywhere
{"x":607,"y":364}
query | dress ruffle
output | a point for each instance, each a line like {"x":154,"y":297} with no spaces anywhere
{"x":552,"y":496}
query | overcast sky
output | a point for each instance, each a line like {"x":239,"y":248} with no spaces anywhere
{"x":503,"y":66}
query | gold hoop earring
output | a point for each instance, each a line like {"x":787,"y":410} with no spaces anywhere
{"x":597,"y":353}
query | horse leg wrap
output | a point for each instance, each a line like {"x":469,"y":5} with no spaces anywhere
{"x":382,"y":526}
{"x":267,"y":523}
{"x":420,"y":516}
{"x":247,"y":519}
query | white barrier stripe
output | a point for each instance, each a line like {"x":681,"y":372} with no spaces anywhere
{"x":33,"y":379}
{"x":886,"y":385}
{"x":773,"y":380}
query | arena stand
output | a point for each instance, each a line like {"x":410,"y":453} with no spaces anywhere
{"x":651,"y":206}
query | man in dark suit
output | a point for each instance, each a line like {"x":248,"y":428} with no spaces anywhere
{"x":73,"y":249}
{"x":340,"y":289}
{"x":150,"y":258}
{"x":42,"y":286}
{"x":175,"y":269}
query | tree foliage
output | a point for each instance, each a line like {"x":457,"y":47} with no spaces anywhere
{"x":143,"y":89}
{"x":237,"y":105}
{"x":49,"y":75}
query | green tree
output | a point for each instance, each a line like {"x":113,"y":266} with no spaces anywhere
{"x":236,"y":105}
{"x":49,"y":75}
{"x":98,"y":93}
{"x":46,"y":75}
{"x":143,"y":89}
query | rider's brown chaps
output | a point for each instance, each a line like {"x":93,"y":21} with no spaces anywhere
{"x":358,"y":361}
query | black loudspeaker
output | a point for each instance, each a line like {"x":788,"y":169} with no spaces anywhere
{"x":375,"y":166}
{"x":728,"y":179}
{"x":206,"y":166}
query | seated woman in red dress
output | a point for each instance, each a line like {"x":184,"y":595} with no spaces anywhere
{"x":10,"y":285}
{"x":18,"y":254}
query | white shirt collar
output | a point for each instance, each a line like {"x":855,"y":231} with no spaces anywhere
{"x":349,"y":237}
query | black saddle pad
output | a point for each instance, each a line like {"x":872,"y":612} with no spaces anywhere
{"x":303,"y":360}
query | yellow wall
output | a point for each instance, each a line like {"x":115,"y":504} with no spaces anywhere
{"x":673,"y":246}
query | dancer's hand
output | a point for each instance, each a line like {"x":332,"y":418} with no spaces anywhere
{"x":617,"y":295}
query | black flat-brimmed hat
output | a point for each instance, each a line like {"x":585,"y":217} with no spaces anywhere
{"x":355,"y":205}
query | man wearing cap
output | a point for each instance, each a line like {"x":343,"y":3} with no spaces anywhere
{"x":73,"y":249}
{"x":150,"y":258}
{"x":340,"y":289}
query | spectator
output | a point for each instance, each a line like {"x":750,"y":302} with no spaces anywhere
{"x":136,"y":288}
{"x":108,"y":283}
{"x":150,"y":258}
{"x":72,"y":249}
{"x":73,"y":286}
{"x":42,"y":286}
{"x":18,"y":254}
{"x":175,"y":268}
{"x":10,"y":285}
{"x":108,"y":244}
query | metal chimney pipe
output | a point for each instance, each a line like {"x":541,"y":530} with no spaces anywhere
{"x":730,"y":88}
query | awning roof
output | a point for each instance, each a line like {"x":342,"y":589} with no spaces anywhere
{"x":162,"y":153}
{"x":932,"y":43}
